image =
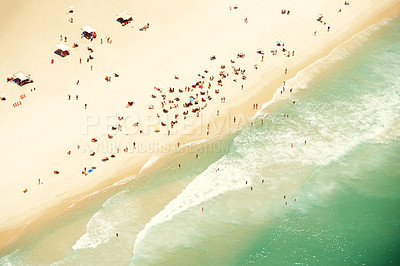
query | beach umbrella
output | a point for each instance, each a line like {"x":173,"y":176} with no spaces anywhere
{"x":71,"y":7}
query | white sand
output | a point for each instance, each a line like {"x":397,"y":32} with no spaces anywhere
{"x":183,"y":35}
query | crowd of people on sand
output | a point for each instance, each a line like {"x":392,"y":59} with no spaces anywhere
{"x":190,"y":98}
{"x":286,"y":53}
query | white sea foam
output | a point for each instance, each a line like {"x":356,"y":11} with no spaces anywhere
{"x":149,"y":163}
{"x":207,"y":185}
{"x":124,"y":181}
{"x":101,"y":226}
{"x":11,"y":259}
{"x":197,"y":142}
{"x":98,"y":230}
{"x":334,"y":137}
{"x":85,"y":197}
{"x":303,"y":77}
{"x":116,"y":184}
{"x":330,"y":136}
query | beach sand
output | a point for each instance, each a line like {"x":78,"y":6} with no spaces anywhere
{"x":181,"y":38}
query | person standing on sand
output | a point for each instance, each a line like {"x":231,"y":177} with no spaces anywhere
{"x":77,"y":83}
{"x":39,"y":181}
{"x":85,"y":105}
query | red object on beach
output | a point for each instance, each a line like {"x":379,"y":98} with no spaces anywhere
{"x":17,"y":104}
{"x":52,"y":61}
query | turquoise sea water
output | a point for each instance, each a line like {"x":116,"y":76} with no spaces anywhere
{"x":331,"y":201}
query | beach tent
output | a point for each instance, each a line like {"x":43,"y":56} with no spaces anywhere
{"x":62,"y":50}
{"x":89,"y":32}
{"x":124,"y":17}
{"x":71,"y":9}
{"x":21,"y":79}
{"x":88,"y":29}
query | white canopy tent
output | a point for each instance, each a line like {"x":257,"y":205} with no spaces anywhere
{"x":125,"y":15}
{"x":88,"y":29}
{"x":21,"y":76}
{"x":62,"y":47}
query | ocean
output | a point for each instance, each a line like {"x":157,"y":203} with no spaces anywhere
{"x":312,"y":180}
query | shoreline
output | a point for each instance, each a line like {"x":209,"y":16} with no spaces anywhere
{"x":17,"y":231}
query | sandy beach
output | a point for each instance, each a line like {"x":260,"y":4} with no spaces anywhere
{"x":179,"y":72}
